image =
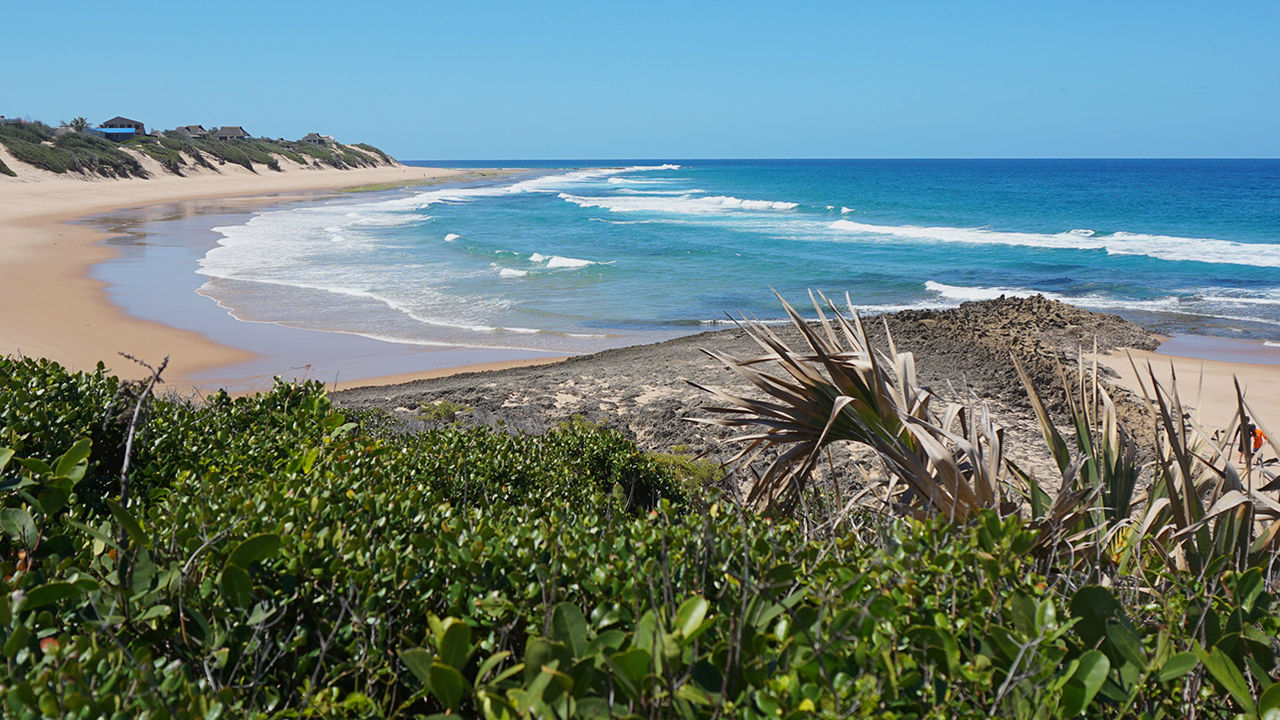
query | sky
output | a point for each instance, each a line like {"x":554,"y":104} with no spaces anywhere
{"x":668,"y":80}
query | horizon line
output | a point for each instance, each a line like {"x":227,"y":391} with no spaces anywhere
{"x":662,"y":158}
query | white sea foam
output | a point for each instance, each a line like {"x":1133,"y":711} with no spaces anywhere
{"x":542,"y":183}
{"x":512,"y":273}
{"x":623,"y":222}
{"x":966,"y":294}
{"x":633,"y":191}
{"x":1170,"y":304}
{"x":846,"y":210}
{"x":1269,"y":296}
{"x":1163,"y":247}
{"x":683,"y":204}
{"x":451,"y":237}
{"x":1269,"y":343}
{"x":556,"y":262}
{"x":637,"y":181}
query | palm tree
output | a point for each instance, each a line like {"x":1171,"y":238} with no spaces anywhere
{"x":79,"y":124}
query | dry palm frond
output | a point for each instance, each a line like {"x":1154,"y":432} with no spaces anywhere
{"x":1202,"y":505}
{"x":840,"y":389}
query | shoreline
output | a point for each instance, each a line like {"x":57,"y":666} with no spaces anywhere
{"x":55,"y":307}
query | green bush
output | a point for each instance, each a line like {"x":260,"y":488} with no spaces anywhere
{"x":35,"y":145}
{"x":366,"y":146}
{"x":280,"y":559}
{"x":5,"y":170}
{"x":170,"y":158}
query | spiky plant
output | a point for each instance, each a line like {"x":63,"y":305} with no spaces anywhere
{"x":840,"y":389}
{"x":1094,"y":499}
{"x":1199,"y":505}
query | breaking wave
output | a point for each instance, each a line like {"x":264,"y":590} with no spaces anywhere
{"x":1161,"y":247}
{"x":684,"y":204}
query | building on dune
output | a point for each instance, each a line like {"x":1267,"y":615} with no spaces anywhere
{"x":318,"y":139}
{"x":231,"y":132}
{"x":121,"y":128}
{"x":195,"y":132}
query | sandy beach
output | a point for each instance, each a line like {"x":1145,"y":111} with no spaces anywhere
{"x":53,"y":308}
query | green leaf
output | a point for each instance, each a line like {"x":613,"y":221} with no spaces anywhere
{"x":237,"y":588}
{"x":1269,"y":703}
{"x":50,"y":593}
{"x":1091,"y":672}
{"x":155,"y":611}
{"x":1177,"y":666}
{"x":630,"y":667}
{"x":130,"y":525}
{"x":489,"y":664}
{"x":569,"y":626}
{"x":258,"y":547}
{"x":419,"y":663}
{"x":694,"y":694}
{"x":1126,"y":642}
{"x":1249,"y":585}
{"x":18,"y":524}
{"x":1094,"y":605}
{"x":938,"y":645}
{"x":36,"y":467}
{"x":6,"y":455}
{"x":74,"y":462}
{"x":447,"y":684}
{"x":142,"y":572}
{"x":453,"y":646}
{"x":1228,"y":676}
{"x":690,"y":616}
{"x":607,"y":640}
{"x":52,"y":499}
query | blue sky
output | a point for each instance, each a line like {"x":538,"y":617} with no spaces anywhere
{"x":529,"y":80}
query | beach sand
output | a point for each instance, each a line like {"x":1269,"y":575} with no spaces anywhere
{"x":1205,"y":368}
{"x":51,"y":307}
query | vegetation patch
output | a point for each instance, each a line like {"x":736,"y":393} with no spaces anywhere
{"x":271,"y":556}
{"x":441,"y":411}
{"x":36,"y":145}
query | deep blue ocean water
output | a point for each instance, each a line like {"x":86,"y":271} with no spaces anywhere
{"x":576,"y":256}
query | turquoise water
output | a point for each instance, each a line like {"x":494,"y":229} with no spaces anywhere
{"x":580,"y":258}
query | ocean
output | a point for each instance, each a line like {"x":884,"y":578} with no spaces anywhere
{"x":581,"y":256}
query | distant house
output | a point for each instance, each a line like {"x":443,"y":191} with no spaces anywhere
{"x":318,"y":139}
{"x":124,"y":123}
{"x":231,"y":132}
{"x":196,"y":132}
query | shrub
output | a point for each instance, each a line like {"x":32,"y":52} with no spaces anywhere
{"x":385,"y":157}
{"x":281,"y":559}
{"x":30,"y":143}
